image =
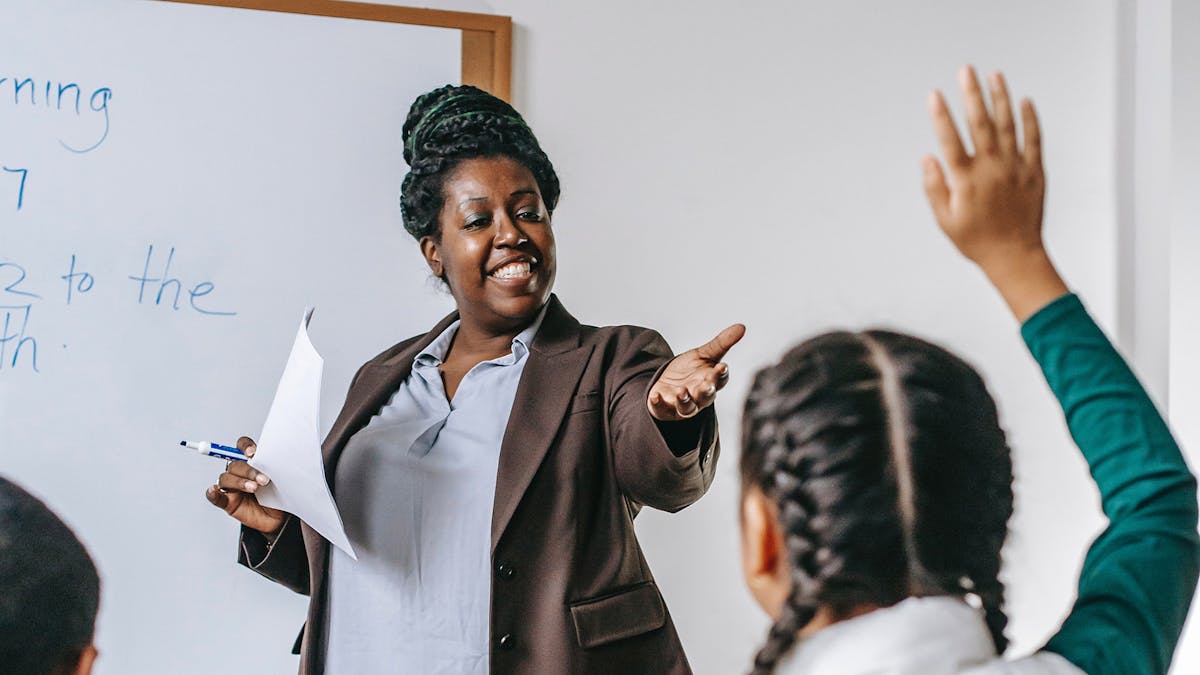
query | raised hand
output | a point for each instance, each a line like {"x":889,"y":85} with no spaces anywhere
{"x":991,"y":207}
{"x":234,"y":493}
{"x":691,"y":381}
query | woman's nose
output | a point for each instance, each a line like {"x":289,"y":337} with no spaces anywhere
{"x":508,"y":233}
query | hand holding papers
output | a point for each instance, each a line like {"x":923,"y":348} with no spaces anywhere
{"x":289,"y":448}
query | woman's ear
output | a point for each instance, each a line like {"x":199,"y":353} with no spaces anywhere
{"x":764,"y":552}
{"x":433,"y":256}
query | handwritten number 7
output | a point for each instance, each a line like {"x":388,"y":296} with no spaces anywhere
{"x":21,"y":190}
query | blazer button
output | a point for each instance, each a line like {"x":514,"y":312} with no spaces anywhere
{"x":505,"y":571}
{"x":507,"y":641}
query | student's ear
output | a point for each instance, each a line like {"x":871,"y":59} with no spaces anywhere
{"x":86,"y":660}
{"x":764,"y":552}
{"x":433,"y":256}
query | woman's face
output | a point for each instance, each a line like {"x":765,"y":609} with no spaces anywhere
{"x":496,"y":248}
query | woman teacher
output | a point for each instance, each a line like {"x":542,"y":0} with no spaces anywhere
{"x":488,"y":472}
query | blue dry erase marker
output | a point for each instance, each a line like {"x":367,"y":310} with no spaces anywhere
{"x":216,"y":450}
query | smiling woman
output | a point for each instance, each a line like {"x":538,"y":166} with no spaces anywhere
{"x":488,"y":471}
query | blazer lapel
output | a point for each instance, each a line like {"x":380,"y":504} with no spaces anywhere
{"x":373,"y":388}
{"x":556,"y":362}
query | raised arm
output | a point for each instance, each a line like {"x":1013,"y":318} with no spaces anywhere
{"x":1139,"y":575}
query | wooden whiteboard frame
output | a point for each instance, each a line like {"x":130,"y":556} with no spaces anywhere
{"x":486,"y":38}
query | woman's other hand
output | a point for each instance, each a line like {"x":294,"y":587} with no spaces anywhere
{"x":991,"y":208}
{"x":234,"y":493}
{"x":691,"y":381}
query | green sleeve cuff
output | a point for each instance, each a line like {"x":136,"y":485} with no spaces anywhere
{"x":1051,"y":316}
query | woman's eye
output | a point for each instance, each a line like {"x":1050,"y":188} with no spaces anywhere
{"x":532,"y":216}
{"x":473,"y":223}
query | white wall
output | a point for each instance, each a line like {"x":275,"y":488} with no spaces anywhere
{"x":758,"y":162}
{"x":1185,"y":252}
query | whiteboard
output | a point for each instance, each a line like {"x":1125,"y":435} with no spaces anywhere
{"x":179,"y":182}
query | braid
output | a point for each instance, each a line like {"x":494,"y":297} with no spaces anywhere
{"x":782,"y":636}
{"x":454,"y":123}
{"x":991,"y":597}
{"x":892,"y":478}
{"x":800,"y":605}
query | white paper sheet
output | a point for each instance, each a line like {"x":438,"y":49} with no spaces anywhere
{"x":289,"y":447}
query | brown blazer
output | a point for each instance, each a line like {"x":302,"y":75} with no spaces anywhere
{"x":581,"y":455}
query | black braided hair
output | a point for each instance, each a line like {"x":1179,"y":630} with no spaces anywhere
{"x":892,"y":477}
{"x":453,"y":123}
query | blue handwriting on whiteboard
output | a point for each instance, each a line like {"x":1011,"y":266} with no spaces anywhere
{"x":14,"y":316}
{"x":166,"y":283}
{"x":84,"y":283}
{"x":59,"y":95}
{"x":21,"y":188}
{"x":16,"y":276}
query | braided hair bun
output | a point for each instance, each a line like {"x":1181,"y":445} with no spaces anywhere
{"x":453,"y":123}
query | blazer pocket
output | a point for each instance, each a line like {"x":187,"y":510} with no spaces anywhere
{"x":586,"y":402}
{"x":631,"y":611}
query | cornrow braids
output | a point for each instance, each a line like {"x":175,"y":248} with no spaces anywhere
{"x":892,"y":478}
{"x":454,"y":123}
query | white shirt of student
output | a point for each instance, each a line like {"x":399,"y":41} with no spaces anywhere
{"x":918,"y":636}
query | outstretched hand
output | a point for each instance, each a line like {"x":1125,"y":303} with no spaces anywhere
{"x":691,"y":381}
{"x":991,"y":207}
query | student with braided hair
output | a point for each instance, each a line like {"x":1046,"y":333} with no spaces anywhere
{"x":877,"y":482}
{"x":488,"y":471}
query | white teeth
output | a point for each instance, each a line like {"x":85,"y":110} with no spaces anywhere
{"x":512,"y":270}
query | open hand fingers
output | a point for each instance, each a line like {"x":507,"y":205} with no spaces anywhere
{"x":936,"y":190}
{"x":670,"y":403}
{"x":983,"y":130}
{"x":704,"y":390}
{"x":716,"y":348}
{"x":1032,"y":150}
{"x":1006,"y":129}
{"x":947,"y":134}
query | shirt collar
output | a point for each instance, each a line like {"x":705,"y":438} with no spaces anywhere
{"x":435,"y":353}
{"x":915,"y":635}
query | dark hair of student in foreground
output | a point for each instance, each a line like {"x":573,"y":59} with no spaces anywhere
{"x":49,"y":588}
{"x":885,"y":458}
{"x":453,"y":123}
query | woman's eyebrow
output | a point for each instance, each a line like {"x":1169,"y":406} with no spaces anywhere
{"x":472,"y":199}
{"x":526,"y":191}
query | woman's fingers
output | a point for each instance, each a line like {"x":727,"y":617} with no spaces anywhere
{"x":247,"y":446}
{"x":244,"y":470}
{"x":983,"y":131}
{"x":946,"y":132}
{"x":232,"y":481}
{"x":1006,"y":128}
{"x":704,"y":391}
{"x":671,"y":403}
{"x":217,"y":498}
{"x":716,"y":348}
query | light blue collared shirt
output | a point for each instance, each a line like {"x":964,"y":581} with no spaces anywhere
{"x":415,"y":489}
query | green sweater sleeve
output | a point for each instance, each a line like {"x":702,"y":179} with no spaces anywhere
{"x":1139,"y":575}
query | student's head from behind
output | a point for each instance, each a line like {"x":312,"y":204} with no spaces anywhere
{"x":478,"y":198}
{"x":49,"y":590}
{"x":873,"y":469}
